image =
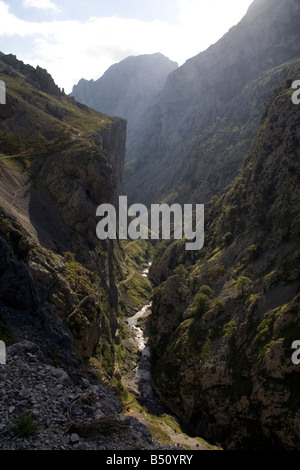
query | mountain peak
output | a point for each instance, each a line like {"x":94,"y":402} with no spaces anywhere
{"x":181,"y":148}
{"x":127,"y":88}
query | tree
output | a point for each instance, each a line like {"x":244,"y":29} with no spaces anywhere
{"x":241,"y":283}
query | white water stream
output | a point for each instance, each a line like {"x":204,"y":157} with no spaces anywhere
{"x":143,"y":369}
{"x":138,"y":332}
{"x":143,"y":380}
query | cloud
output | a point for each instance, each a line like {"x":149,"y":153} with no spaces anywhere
{"x":71,"y":50}
{"x":11,"y":25}
{"x":205,"y":22}
{"x":41,"y":4}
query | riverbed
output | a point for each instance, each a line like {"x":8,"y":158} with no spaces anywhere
{"x":140,"y":383}
{"x":142,"y":376}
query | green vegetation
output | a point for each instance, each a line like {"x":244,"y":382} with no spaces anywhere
{"x":252,"y":299}
{"x":135,"y":290}
{"x":253,"y":251}
{"x":206,"y":323}
{"x":24,"y":425}
{"x":80,"y":279}
{"x":227,"y":238}
{"x":6,"y":223}
{"x":164,"y":428}
{"x":206,"y":290}
{"x":54,"y":123}
{"x":205,"y":352}
{"x":229,"y":329}
{"x":219,"y":304}
{"x":106,"y":356}
{"x":264,"y":337}
{"x":241,"y":283}
{"x":182,"y":271}
{"x":232,"y":343}
{"x":215,"y":272}
{"x":201,"y":304}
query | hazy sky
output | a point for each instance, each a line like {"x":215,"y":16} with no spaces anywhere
{"x":76,"y":39}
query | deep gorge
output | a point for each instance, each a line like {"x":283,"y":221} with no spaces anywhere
{"x":221,"y":130}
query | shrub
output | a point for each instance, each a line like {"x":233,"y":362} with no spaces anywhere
{"x":206,"y":350}
{"x":227,"y":238}
{"x":229,"y":329}
{"x":220,"y":305}
{"x":241,"y":283}
{"x":181,"y":271}
{"x":253,"y":251}
{"x":24,"y":425}
{"x":216,"y":271}
{"x":202,"y":304}
{"x":206,"y":290}
{"x":69,"y":256}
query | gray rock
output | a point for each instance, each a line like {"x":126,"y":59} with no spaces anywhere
{"x":74,"y":438}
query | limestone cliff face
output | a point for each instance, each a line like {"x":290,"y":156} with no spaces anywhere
{"x":225,"y":318}
{"x":127,"y":89}
{"x":59,"y":161}
{"x":193,"y":139}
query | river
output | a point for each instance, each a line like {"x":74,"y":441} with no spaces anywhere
{"x":141,"y":381}
{"x":142,"y":378}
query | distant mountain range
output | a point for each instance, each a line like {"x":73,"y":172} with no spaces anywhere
{"x":127,"y":89}
{"x":193,"y":139}
{"x":190,"y":126}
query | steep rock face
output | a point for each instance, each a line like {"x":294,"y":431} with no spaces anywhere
{"x":225,"y":319}
{"x":59,"y":161}
{"x":127,"y":89}
{"x":192,"y":140}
